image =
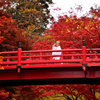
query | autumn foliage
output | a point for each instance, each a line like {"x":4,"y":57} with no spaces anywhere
{"x":71,"y":31}
{"x":24,"y":22}
{"x":10,"y":34}
{"x":51,"y":92}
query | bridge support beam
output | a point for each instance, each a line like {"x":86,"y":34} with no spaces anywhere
{"x":49,"y":74}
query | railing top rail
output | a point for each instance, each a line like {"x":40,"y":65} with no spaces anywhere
{"x":9,"y":52}
{"x":37,"y":51}
{"x":93,"y":49}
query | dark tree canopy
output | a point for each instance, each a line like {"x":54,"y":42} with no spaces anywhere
{"x":31,"y":15}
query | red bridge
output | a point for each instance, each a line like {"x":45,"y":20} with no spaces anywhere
{"x":37,"y":66}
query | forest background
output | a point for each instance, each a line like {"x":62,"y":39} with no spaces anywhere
{"x":27,"y":23}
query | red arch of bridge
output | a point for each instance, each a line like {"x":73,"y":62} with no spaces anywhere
{"x":75,"y":64}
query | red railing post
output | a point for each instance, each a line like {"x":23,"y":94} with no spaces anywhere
{"x":19,"y":58}
{"x":40,"y":55}
{"x":84,"y":64}
{"x":8,"y":60}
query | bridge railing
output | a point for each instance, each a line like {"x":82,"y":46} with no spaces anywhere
{"x":44,"y":58}
{"x":38,"y":56}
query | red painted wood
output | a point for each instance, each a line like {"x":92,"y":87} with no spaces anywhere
{"x":19,"y":56}
{"x":40,"y":65}
{"x":84,"y":54}
{"x":52,"y":73}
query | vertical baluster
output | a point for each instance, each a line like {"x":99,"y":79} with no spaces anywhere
{"x":96,"y":56}
{"x":51,"y":56}
{"x":8,"y":60}
{"x":61,"y":57}
{"x":30,"y":58}
{"x":40,"y":55}
{"x":72,"y":57}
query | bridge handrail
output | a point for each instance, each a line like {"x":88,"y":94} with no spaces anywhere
{"x":9,"y":52}
{"x":93,"y":49}
{"x":36,"y":51}
{"x":73,"y":56}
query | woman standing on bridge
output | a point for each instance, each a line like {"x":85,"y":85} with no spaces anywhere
{"x":56,"y":46}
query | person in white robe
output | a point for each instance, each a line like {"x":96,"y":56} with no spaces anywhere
{"x":56,"y":46}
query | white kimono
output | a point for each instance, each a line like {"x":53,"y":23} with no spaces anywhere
{"x":56,"y":53}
